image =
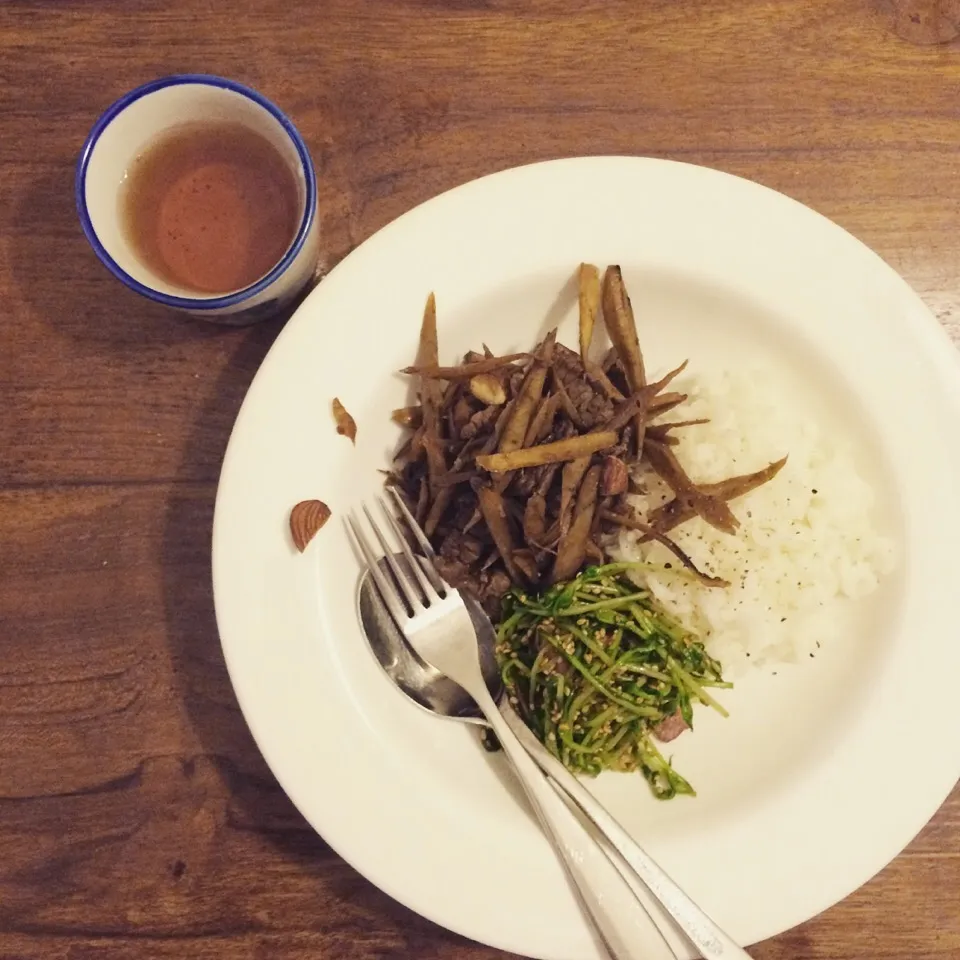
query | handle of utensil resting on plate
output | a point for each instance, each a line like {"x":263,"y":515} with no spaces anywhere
{"x":669,"y":931}
{"x":706,"y":936}
{"x":623,"y":925}
{"x":638,"y":869}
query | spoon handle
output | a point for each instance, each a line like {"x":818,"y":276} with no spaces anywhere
{"x":636,"y":866}
{"x":622,"y":924}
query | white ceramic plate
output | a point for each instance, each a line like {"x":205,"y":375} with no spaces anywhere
{"x":823,"y":773}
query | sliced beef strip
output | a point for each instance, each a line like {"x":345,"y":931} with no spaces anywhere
{"x":454,"y":571}
{"x":493,"y":584}
{"x":458,"y":562}
{"x":487,"y":586}
{"x":457,"y":546}
{"x":593,"y":405}
{"x":624,"y":449}
{"x":525,"y":481}
{"x":462,"y":510}
{"x":670,"y":728}
{"x":480,"y":421}
{"x":457,"y":557}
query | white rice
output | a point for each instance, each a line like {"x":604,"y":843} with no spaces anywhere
{"x":807,"y":538}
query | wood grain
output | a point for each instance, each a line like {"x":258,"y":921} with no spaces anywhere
{"x":137,"y":818}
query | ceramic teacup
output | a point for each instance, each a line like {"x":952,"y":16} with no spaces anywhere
{"x":131,"y":125}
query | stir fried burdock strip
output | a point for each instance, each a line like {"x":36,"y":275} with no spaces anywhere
{"x":713,"y":509}
{"x":573,"y":448}
{"x":519,"y":466}
{"x":622,"y":328}
{"x":589,"y":303}
{"x":466,"y":371}
{"x":573,"y":546}
{"x":651,"y":533}
{"x":665,"y":518}
{"x":431,"y":393}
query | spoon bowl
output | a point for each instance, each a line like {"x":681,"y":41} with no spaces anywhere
{"x":419,"y":682}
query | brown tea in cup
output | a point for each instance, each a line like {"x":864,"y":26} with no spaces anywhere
{"x":211,"y":207}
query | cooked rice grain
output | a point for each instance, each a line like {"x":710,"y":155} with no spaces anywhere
{"x":808,"y":538}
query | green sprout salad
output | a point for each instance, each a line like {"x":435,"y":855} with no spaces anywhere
{"x":594,"y":666}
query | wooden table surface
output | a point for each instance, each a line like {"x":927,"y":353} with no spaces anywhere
{"x":137,"y":818}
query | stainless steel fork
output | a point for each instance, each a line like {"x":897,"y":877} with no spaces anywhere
{"x":436,"y":622}
{"x":435,"y":618}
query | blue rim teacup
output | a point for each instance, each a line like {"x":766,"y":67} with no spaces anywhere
{"x":136,"y":120}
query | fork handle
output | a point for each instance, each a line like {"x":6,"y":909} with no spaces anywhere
{"x":619,"y":919}
{"x":635,"y":865}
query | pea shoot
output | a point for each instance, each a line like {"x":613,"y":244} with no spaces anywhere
{"x":594,"y":666}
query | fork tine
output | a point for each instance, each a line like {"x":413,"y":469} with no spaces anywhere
{"x":429,"y":591}
{"x":429,"y":556}
{"x":387,"y":593}
{"x":407,"y":587}
{"x":420,"y":536}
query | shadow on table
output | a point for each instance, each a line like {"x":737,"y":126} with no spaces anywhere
{"x":256,"y":803}
{"x":58,"y":281}
{"x":71,"y":295}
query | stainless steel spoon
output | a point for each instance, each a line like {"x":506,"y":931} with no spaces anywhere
{"x":422,"y":683}
{"x":668,"y":908}
{"x":626,"y":916}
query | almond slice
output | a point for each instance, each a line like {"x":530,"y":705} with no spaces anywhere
{"x":306,"y":518}
{"x":346,"y":425}
{"x":488,"y":389}
{"x":615,"y":479}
